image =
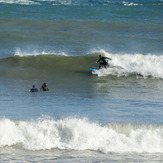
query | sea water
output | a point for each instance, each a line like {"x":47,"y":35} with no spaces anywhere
{"x":110,"y":115}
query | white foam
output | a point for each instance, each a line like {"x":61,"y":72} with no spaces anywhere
{"x":28,"y":52}
{"x":80,"y":134}
{"x":9,"y":133}
{"x":127,"y":64}
{"x":131,"y":4}
{"x":21,"y":2}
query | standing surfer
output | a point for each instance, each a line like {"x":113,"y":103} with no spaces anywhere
{"x":104,"y":62}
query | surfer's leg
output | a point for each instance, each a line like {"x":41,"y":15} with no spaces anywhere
{"x":100,"y":65}
{"x":106,"y":65}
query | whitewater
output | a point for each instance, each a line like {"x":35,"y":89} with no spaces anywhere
{"x":80,"y":134}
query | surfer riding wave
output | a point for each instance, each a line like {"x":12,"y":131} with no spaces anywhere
{"x":103,"y":62}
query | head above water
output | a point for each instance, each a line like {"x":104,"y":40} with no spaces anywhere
{"x":100,"y":56}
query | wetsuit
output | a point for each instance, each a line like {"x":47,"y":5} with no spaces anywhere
{"x":44,"y":87}
{"x":104,"y":63}
{"x":34,"y":90}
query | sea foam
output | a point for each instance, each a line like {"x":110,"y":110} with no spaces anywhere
{"x":21,"y":2}
{"x":28,"y":52}
{"x":127,"y":64}
{"x":81,"y":134}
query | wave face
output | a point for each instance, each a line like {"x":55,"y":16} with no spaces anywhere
{"x":35,"y":64}
{"x":80,"y":134}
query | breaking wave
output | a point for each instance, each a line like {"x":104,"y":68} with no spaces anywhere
{"x":81,"y":134}
{"x":80,"y":2}
{"x":33,"y":63}
{"x":137,"y":64}
{"x":20,"y":2}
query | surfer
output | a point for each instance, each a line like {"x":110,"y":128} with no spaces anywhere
{"x":44,"y":87}
{"x":104,"y":62}
{"x":34,"y":89}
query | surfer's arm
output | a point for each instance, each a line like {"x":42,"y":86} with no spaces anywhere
{"x":98,"y":60}
{"x":108,"y":58}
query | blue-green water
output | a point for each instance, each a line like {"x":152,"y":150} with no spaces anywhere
{"x":111,"y":115}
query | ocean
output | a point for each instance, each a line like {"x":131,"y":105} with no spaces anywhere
{"x":112,"y":115}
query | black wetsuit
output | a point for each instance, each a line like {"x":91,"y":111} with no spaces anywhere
{"x":104,"y":63}
{"x":44,"y":87}
{"x":34,"y":90}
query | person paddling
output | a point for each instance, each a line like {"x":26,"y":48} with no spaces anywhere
{"x":104,"y":62}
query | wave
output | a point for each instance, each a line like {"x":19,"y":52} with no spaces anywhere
{"x":131,"y":4}
{"x":20,"y":2}
{"x":121,"y":65}
{"x":81,"y":2}
{"x":81,"y":134}
{"x":48,"y":64}
{"x":133,"y":64}
{"x":29,"y":52}
{"x":32,"y":64}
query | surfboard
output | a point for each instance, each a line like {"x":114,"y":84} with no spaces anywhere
{"x":93,"y":69}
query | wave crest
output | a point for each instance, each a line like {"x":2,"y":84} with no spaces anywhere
{"x":81,"y":134}
{"x":121,"y":65}
{"x":20,"y":2}
{"x":137,"y":64}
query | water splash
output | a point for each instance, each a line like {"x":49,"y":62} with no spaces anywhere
{"x":28,"y":52}
{"x":81,"y":134}
{"x":127,"y":64}
{"x":21,"y":2}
